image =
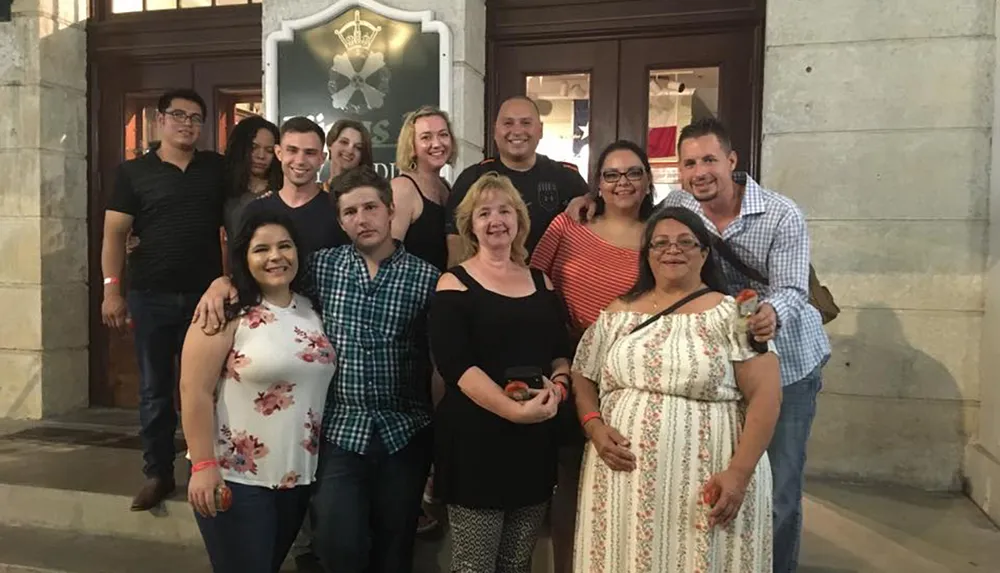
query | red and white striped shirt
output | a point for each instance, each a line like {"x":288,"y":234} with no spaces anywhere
{"x":588,"y":271}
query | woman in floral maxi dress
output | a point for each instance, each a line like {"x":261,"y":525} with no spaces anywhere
{"x":686,"y":408}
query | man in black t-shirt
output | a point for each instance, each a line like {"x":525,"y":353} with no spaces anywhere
{"x":171,"y":200}
{"x":546,"y":186}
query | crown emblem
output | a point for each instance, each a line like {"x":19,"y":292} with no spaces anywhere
{"x":358,"y":35}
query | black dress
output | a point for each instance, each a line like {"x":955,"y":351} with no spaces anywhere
{"x":483,"y":461}
{"x":425,"y":236}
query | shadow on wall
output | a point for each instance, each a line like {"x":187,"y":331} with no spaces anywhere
{"x":890,"y":412}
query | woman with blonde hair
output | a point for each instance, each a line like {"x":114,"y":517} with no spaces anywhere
{"x":498,"y":336}
{"x":419,"y":193}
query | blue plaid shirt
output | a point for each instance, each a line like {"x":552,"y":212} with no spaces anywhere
{"x":378,"y":328}
{"x":770,"y":236}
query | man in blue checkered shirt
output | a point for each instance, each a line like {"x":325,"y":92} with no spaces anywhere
{"x":376,"y":450}
{"x":767,"y":231}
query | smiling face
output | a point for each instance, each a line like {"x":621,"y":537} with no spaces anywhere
{"x":301,"y":156}
{"x":365,"y":218}
{"x":180,"y":124}
{"x":272,"y":258}
{"x":494,"y":221}
{"x":624,"y":181}
{"x":346,"y":150}
{"x":518,"y":129}
{"x":675,"y":254}
{"x":432,"y":141}
{"x":706,"y":168}
{"x":262,"y":153}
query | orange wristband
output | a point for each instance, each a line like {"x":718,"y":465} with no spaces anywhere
{"x":565,"y":391}
{"x":204,"y":465}
{"x":588,"y":417}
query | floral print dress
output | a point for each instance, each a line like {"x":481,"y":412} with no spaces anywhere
{"x":270,"y":396}
{"x":670,"y":390}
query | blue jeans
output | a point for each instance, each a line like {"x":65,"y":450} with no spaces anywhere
{"x":366,"y":506}
{"x":254,"y":535}
{"x":787,"y":454}
{"x":160,"y":321}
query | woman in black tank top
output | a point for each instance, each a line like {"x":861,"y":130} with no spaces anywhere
{"x":419,"y":193}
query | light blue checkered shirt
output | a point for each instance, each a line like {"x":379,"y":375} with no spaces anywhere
{"x":770,"y":236}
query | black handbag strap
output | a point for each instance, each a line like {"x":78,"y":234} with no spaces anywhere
{"x":726,"y":252}
{"x":671,"y":308}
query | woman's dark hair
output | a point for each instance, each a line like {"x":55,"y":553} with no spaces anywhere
{"x":239,"y":148}
{"x":623,"y":144}
{"x":367,"y":157}
{"x":247,"y":290}
{"x":710,"y":273}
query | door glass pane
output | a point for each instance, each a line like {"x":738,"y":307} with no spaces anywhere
{"x":123,"y":6}
{"x":194,"y":3}
{"x":160,"y":5}
{"x":230,"y":2}
{"x":676,"y":98}
{"x":564,"y":102}
{"x":140,"y":126}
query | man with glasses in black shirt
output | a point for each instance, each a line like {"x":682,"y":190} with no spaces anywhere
{"x":171,"y":200}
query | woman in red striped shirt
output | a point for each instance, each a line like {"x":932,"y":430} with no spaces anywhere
{"x":590,"y":265}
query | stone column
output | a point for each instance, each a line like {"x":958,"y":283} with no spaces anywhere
{"x":43,"y":209}
{"x":467,"y":20}
{"x":877,"y":120}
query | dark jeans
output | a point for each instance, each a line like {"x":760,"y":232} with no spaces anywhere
{"x":255,"y":534}
{"x":365,"y":508}
{"x":787,"y":454}
{"x":160,"y":321}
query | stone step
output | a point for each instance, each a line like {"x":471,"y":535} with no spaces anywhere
{"x":41,"y":550}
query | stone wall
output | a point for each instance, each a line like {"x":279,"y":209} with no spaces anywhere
{"x":43,"y":209}
{"x":877,"y":120}
{"x":467,"y":21}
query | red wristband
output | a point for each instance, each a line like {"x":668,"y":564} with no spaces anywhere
{"x":565,"y":391}
{"x":204,"y":465}
{"x":588,"y":417}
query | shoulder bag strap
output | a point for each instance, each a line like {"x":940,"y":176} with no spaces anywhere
{"x":726,"y":252}
{"x":671,"y":308}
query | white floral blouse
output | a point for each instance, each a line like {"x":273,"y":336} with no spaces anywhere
{"x":270,"y":397}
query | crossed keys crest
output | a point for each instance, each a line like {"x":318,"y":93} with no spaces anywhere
{"x":371,"y":78}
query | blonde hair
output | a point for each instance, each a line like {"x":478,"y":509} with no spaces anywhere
{"x":496,"y":183}
{"x":406,"y":145}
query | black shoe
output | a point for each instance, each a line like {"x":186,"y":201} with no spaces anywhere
{"x":153,"y":493}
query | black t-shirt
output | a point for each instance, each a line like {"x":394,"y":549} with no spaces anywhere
{"x":315,"y":222}
{"x":546,"y":188}
{"x":177,"y":215}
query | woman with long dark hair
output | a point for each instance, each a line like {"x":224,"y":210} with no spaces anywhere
{"x":679,"y":409}
{"x":251,"y":167}
{"x":254,"y":430}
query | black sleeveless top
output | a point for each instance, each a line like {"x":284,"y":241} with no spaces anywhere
{"x":425,"y":238}
{"x":483,"y":461}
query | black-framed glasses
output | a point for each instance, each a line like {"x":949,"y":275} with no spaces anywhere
{"x":180,"y":116}
{"x":684,"y":244}
{"x":613,"y":175}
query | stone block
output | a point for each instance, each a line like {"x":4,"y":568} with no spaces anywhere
{"x":468,"y":154}
{"x":63,"y":248}
{"x":62,"y":52}
{"x":19,"y":123}
{"x":21,"y":60}
{"x":982,"y":470}
{"x":63,"y":192}
{"x":21,"y":384}
{"x":64,"y":312}
{"x":65,"y":378}
{"x":65,"y":11}
{"x":473,"y":32}
{"x":468,"y":100}
{"x":42,"y":384}
{"x":904,"y":354}
{"x":878,"y":175}
{"x":21,"y":328}
{"x":20,"y":179}
{"x":917,"y":443}
{"x":836,"y":21}
{"x":924,"y":265}
{"x":943,"y":83}
{"x":19,"y":241}
{"x":63,"y":126}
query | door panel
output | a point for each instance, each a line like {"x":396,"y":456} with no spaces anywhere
{"x":583,"y":73}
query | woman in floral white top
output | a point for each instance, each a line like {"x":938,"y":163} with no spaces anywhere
{"x":256,"y":426}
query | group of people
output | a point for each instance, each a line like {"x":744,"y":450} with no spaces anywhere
{"x":547,"y":352}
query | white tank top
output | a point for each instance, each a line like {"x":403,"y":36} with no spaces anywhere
{"x":271,"y":395}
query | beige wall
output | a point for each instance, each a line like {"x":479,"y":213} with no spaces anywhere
{"x":877,"y":118}
{"x":43,"y":209}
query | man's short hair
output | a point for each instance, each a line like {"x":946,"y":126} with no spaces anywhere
{"x":533,"y":103}
{"x":163,"y":104}
{"x":303,"y":125}
{"x":356,"y":178}
{"x":703,"y":127}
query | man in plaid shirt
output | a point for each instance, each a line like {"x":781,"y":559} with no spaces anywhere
{"x":376,"y":427}
{"x":767,"y":231}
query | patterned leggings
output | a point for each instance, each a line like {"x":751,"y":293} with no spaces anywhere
{"x":487,"y":541}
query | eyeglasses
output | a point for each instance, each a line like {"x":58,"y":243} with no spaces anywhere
{"x":684,"y":244}
{"x":613,"y":175}
{"x":181,"y":117}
